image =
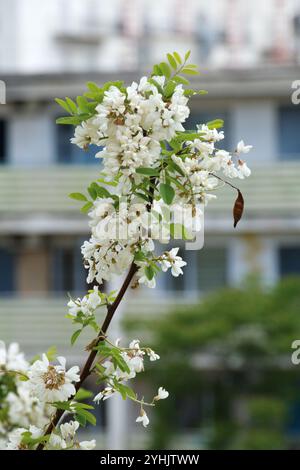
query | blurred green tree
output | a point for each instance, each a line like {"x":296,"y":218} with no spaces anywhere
{"x":227,"y":365}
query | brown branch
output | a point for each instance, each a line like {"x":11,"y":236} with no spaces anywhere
{"x":109,"y":316}
{"x":90,"y":360}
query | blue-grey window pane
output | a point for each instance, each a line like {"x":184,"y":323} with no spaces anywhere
{"x":288,"y":132}
{"x":211,"y":269}
{"x":71,"y":154}
{"x":7,"y":271}
{"x":63,"y":269}
{"x":206,"y":270}
{"x":3,"y":141}
{"x":68,"y":272}
{"x":202,"y":117}
{"x":289,"y":259}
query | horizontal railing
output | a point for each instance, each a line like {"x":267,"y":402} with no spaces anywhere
{"x":273,"y":189}
{"x":38,"y":323}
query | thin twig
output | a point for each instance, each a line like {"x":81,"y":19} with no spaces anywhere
{"x":90,"y":360}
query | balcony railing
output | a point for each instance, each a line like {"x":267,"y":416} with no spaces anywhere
{"x":271,"y":190}
{"x":37,"y":323}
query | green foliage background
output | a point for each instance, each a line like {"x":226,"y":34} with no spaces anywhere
{"x":250,"y":387}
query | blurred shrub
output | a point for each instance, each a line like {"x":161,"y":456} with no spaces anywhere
{"x":226,"y":362}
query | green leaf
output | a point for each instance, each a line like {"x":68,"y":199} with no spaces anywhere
{"x":62,"y":405}
{"x":75,"y":336}
{"x":83,"y":406}
{"x":129,"y":392}
{"x":89,"y":417}
{"x":180,"y":79}
{"x":101,"y":192}
{"x":174,"y":167}
{"x":172,"y":61}
{"x":149,"y":271}
{"x":82,"y":394}
{"x":216,"y":124}
{"x":156,"y":70}
{"x":147,"y":171}
{"x":86,"y":207}
{"x":93,"y":87}
{"x":71,"y":120}
{"x":82,"y":105}
{"x":92,"y":192}
{"x":81,"y":419}
{"x":71,"y":105}
{"x":177,"y":57}
{"x":78,"y":196}
{"x":155,"y":83}
{"x":118,"y":361}
{"x":165,"y":69}
{"x":169,"y":88}
{"x":167,"y":193}
{"x":187,"y":55}
{"x":64,"y":105}
{"x":140,"y":256}
{"x":188,"y":71}
{"x":51,"y":353}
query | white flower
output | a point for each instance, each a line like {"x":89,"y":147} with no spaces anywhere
{"x":57,"y":442}
{"x":105,"y":394}
{"x":230,"y":170}
{"x":162,"y":394}
{"x":16,"y":436}
{"x":25,"y":409}
{"x":143,"y":278}
{"x":87,"y":133}
{"x":52,"y":383}
{"x":87,"y":445}
{"x":153,"y":356}
{"x":135,"y":344}
{"x":211,"y":135}
{"x":171,"y":260}
{"x":68,"y":430}
{"x":243,"y":170}
{"x":11,"y":358}
{"x":143,"y":418}
{"x":242,"y":148}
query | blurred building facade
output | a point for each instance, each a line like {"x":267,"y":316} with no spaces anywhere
{"x":249,"y":64}
{"x":78,"y":35}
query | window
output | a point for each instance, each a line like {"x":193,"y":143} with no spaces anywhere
{"x":289,"y":261}
{"x":3,"y":141}
{"x":69,"y":153}
{"x":202,"y":117}
{"x":288,"y":132}
{"x":211,"y":268}
{"x":68,"y":272}
{"x":206,"y":270}
{"x":7,"y":271}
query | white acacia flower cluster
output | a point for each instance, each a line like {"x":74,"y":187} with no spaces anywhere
{"x":28,"y":403}
{"x":87,"y":305}
{"x":63,"y":439}
{"x":203,"y":161}
{"x":134,"y":121}
{"x":116,"y":374}
{"x":116,"y":236}
{"x":20,"y":408}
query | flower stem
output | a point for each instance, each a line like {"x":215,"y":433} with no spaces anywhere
{"x":90,"y":360}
